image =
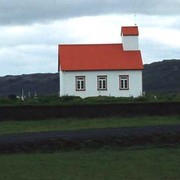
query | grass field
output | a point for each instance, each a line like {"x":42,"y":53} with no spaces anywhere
{"x":149,"y":163}
{"x":103,"y":164}
{"x":74,"y":124}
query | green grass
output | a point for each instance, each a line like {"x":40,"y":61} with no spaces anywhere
{"x":9,"y":127}
{"x":102,"y":164}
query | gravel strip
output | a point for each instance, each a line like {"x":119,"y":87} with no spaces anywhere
{"x":36,"y":140}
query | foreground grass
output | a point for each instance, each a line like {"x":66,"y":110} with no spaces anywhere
{"x":74,"y":124}
{"x":152,"y":163}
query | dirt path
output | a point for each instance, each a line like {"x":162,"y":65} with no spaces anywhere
{"x":28,"y":142}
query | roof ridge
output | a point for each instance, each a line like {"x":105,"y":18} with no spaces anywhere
{"x":90,"y":44}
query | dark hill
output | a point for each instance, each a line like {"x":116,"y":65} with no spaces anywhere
{"x":161,"y":76}
{"x":40,"y":84}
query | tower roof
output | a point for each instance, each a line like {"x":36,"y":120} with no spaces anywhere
{"x":129,"y":31}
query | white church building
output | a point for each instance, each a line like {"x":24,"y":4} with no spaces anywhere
{"x":102,"y":69}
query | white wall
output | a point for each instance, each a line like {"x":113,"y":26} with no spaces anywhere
{"x":67,"y":83}
{"x":130,"y":43}
{"x":61,"y":84}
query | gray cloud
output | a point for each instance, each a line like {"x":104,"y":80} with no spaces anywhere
{"x":31,"y":29}
{"x":155,"y":51}
{"x":31,"y":11}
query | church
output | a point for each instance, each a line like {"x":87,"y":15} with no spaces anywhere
{"x":88,"y":70}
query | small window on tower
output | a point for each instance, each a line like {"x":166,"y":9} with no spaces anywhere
{"x":123,"y":82}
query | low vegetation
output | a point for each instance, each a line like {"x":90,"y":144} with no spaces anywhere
{"x":70,"y":100}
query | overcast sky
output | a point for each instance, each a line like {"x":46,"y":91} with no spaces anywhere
{"x":30,"y":30}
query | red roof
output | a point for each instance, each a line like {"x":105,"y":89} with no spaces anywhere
{"x":89,"y":57}
{"x":129,"y":31}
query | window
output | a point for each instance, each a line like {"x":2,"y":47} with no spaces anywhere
{"x":124,"y":82}
{"x":102,"y":83}
{"x":80,"y":83}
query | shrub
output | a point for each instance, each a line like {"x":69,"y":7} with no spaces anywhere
{"x":107,"y":99}
{"x":69,"y":98}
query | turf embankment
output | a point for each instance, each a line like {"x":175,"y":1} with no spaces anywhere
{"x":88,"y":111}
